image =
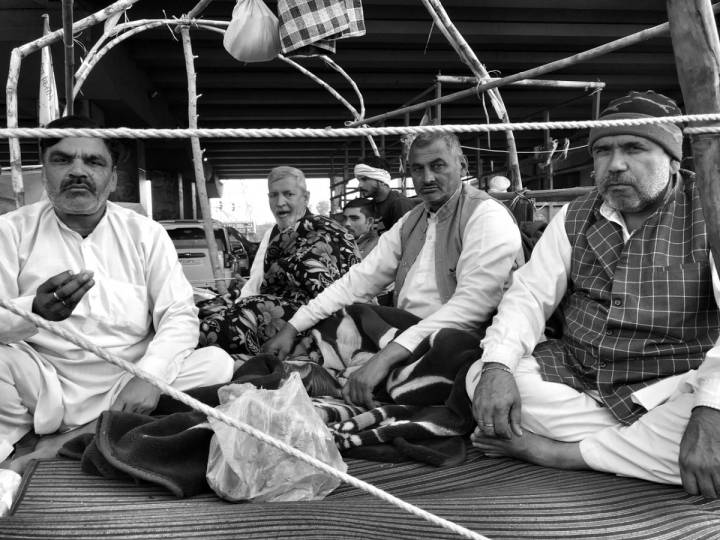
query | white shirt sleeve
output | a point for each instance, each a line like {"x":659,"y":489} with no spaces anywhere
{"x":257,"y":270}
{"x":361,"y":283}
{"x":491,"y":247}
{"x":537,"y":289}
{"x":174,"y":313}
{"x":12,"y":327}
{"x":708,"y":392}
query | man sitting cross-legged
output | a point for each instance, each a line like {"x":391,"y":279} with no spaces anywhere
{"x":630,"y":388}
{"x":450,"y":260}
{"x":100,"y":271}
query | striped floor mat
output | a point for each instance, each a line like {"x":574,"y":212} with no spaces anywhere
{"x":499,"y":498}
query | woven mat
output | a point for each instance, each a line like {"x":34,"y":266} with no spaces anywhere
{"x":499,"y":498}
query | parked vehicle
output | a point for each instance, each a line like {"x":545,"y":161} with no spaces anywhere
{"x":192,"y":249}
{"x":240,"y":241}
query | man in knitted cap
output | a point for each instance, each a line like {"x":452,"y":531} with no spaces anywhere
{"x":389,"y":206}
{"x":633,"y":385}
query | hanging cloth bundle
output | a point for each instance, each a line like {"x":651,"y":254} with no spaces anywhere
{"x":253,"y":34}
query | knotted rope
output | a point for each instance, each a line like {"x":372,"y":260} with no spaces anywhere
{"x":222,"y":417}
{"x":259,"y":133}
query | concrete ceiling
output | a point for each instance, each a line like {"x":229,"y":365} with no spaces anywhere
{"x":143,"y":83}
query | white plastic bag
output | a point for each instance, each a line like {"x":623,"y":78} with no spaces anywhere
{"x":253,"y":34}
{"x":242,"y":468}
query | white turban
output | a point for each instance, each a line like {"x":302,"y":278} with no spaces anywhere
{"x":381,"y":175}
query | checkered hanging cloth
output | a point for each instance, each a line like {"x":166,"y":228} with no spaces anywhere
{"x":310,"y":27}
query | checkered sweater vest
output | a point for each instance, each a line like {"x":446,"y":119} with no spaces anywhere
{"x":634,"y":312}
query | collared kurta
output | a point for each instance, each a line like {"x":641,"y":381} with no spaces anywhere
{"x":140,"y":309}
{"x":491,"y":248}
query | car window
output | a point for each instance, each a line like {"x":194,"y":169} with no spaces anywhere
{"x":194,"y":237}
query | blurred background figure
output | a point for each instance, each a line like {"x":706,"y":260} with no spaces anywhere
{"x":360,"y":221}
{"x":373,"y":176}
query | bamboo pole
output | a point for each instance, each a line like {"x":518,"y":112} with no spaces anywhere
{"x":95,"y":56}
{"x":198,"y":162}
{"x":16,"y":57}
{"x":467,"y":55}
{"x":612,"y":46}
{"x":67,"y":18}
{"x":697,"y":57}
{"x":461,"y":79}
{"x":198,"y":9}
{"x":125,"y":27}
{"x":12,"y":121}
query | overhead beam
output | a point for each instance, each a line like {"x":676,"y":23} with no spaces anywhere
{"x":117,"y":77}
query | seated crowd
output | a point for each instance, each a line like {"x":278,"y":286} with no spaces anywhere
{"x":631,"y":386}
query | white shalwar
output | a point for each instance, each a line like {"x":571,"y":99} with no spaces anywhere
{"x":140,"y":309}
{"x":648,"y":448}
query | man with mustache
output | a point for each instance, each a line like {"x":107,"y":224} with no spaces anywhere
{"x":100,"y":271}
{"x":633,"y":385}
{"x":450,"y":259}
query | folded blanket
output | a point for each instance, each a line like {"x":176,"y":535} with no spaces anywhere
{"x":425,"y":397}
{"x":425,"y":415}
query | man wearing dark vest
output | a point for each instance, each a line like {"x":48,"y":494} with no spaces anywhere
{"x":630,"y":388}
{"x":450,"y":259}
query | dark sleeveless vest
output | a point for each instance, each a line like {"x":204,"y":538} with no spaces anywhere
{"x":634,"y":312}
{"x":452,"y":218}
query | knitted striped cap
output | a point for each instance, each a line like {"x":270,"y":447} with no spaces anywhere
{"x":643,"y":105}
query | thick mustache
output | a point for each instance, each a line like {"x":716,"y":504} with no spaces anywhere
{"x":615,"y":179}
{"x":73,"y":182}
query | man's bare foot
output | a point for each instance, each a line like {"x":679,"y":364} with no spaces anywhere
{"x":533,"y":448}
{"x":48,"y":446}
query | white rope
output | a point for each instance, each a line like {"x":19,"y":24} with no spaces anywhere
{"x":222,"y":417}
{"x":707,"y":130}
{"x":259,"y":133}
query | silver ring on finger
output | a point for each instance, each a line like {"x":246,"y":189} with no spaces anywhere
{"x":61,"y":300}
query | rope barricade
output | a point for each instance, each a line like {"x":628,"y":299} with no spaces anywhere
{"x":222,"y":417}
{"x":260,"y":133}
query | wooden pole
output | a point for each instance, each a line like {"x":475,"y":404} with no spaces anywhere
{"x":543,"y":83}
{"x":632,"y":39}
{"x":220,"y":284}
{"x":67,"y":18}
{"x":697,"y":57}
{"x":198,"y":9}
{"x":467,"y":55}
{"x":438,"y":107}
{"x":181,"y":196}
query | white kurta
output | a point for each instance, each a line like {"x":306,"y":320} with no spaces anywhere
{"x":257,"y":270}
{"x":140,"y":309}
{"x":491,"y":249}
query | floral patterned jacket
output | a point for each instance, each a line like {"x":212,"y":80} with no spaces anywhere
{"x":302,"y":260}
